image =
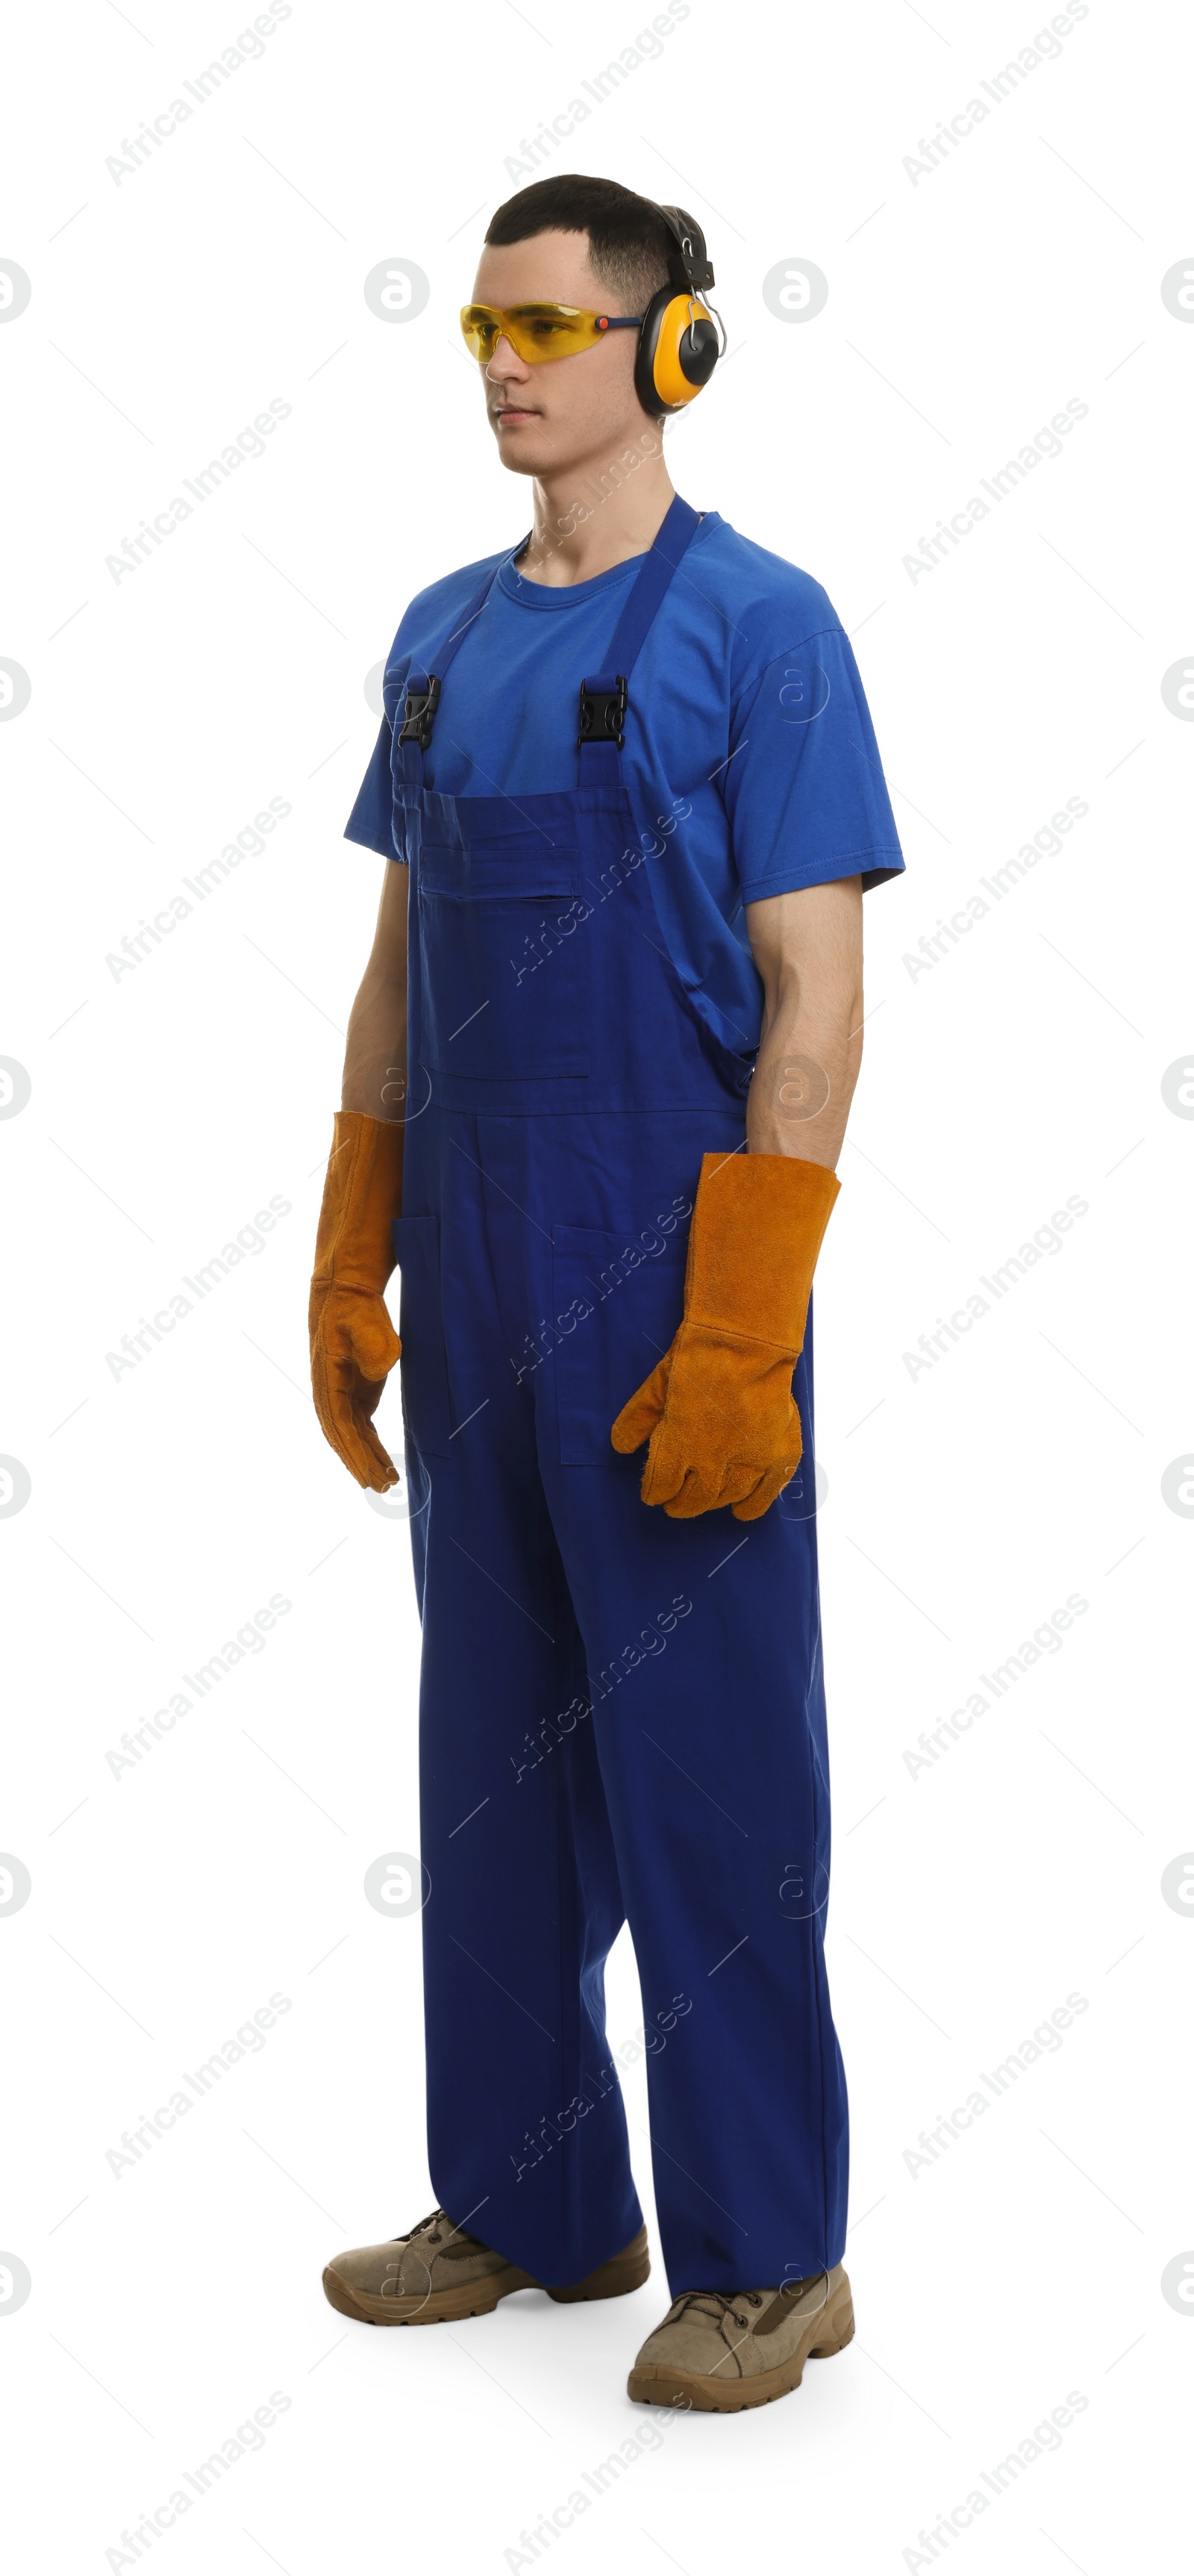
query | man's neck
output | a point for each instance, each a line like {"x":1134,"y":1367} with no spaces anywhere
{"x":596,"y":515}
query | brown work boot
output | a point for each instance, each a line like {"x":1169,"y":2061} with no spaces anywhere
{"x":720,"y":2350}
{"x":439,"y":2272}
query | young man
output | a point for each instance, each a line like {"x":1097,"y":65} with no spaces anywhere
{"x":597,"y":1079}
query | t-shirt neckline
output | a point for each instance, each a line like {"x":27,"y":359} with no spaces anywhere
{"x":539,"y":595}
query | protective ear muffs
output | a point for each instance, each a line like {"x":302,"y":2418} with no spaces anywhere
{"x":679,"y":343}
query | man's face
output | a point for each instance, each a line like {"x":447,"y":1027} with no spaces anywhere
{"x":565,"y":411}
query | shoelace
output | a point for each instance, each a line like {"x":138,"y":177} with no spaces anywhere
{"x":431,"y":2221}
{"x":436,"y":2224}
{"x":717,"y":2303}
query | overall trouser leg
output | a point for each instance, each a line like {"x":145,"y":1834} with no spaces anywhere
{"x":525,"y":1900}
{"x":704,"y":1667}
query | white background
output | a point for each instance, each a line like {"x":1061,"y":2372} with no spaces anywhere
{"x":1024,"y":2261}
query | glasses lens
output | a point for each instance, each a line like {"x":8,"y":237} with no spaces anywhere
{"x":480,"y":325}
{"x":541,"y":331}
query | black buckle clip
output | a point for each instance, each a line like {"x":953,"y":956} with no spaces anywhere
{"x":419,"y":715}
{"x":601,"y":713}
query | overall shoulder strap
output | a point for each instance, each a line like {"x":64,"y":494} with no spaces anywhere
{"x":604,"y":701}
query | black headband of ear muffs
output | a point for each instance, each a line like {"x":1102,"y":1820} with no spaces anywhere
{"x":689,"y":264}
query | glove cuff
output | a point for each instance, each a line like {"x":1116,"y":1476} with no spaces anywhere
{"x":757,"y":1227}
{"x":361,"y":1197}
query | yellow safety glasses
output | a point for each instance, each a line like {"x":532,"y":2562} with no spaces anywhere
{"x":538,"y":331}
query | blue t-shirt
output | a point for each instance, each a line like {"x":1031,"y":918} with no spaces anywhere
{"x":750,"y":757}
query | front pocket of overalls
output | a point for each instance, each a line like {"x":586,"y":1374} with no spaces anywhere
{"x":617,"y":1303}
{"x":505,"y":970}
{"x":421,"y":1326}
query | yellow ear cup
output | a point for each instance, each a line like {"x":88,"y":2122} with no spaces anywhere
{"x":671,"y":384}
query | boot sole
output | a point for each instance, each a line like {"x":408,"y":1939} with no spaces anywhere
{"x":828,"y":2332}
{"x":624,"y":2272}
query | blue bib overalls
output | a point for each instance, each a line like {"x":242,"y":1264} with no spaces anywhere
{"x":622,"y":1716}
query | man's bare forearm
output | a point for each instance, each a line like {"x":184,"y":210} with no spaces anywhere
{"x":804,"y":1081}
{"x":808,"y":949}
{"x":375,"y":1051}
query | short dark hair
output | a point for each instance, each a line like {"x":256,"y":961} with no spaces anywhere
{"x":629,"y":242}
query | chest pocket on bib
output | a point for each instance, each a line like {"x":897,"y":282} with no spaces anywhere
{"x":505,"y":966}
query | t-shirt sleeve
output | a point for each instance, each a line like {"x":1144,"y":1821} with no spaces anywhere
{"x":803,"y":787}
{"x":372,"y":817}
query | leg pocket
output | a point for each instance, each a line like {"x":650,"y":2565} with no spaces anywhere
{"x":617,"y":1302}
{"x":421,"y":1325}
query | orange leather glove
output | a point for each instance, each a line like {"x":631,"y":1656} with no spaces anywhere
{"x":718,"y":1410}
{"x":353,"y":1343}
